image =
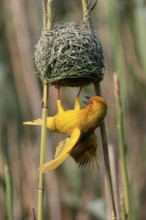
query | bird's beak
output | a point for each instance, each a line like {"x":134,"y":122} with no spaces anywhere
{"x":87,"y":102}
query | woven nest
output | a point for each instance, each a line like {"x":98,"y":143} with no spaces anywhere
{"x":69,"y":54}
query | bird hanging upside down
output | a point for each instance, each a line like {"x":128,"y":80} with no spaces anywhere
{"x":79,"y":124}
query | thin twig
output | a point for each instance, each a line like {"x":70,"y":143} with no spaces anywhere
{"x":114,"y":173}
{"x":122,"y":147}
{"x":93,"y":5}
{"x":34,"y":215}
{"x":106,"y":156}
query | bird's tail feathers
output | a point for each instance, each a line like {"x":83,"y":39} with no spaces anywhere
{"x":95,"y":163}
{"x":50,"y":123}
{"x":34,"y":122}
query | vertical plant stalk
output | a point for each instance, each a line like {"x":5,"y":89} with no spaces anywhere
{"x":106,"y":157}
{"x":122,"y":205}
{"x":49,"y":14}
{"x":116,"y":41}
{"x":122,"y":147}
{"x":43,"y":151}
{"x":87,"y":8}
{"x":45,"y":16}
{"x":47,"y":19}
{"x":84,"y":6}
{"x":114,"y":172}
{"x":9,"y":193}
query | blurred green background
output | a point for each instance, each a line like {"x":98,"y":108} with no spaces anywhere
{"x":71,"y":192}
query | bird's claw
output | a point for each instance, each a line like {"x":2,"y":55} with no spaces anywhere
{"x":87,"y":102}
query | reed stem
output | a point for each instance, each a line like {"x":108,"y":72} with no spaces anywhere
{"x":44,"y":9}
{"x":122,"y":147}
{"x":49,"y":14}
{"x":106,"y":157}
{"x":9,"y":193}
{"x":43,"y":151}
{"x":84,"y":6}
{"x":47,"y":23}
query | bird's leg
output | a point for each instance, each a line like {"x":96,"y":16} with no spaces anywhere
{"x":58,"y":90}
{"x":81,"y":86}
{"x":80,"y":90}
{"x":77,"y":103}
{"x":59,"y":105}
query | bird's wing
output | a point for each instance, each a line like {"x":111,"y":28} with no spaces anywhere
{"x":84,"y":152}
{"x":77,"y":104}
{"x":63,"y":152}
{"x":61,"y":146}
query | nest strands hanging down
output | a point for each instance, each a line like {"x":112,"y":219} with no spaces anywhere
{"x":69,"y":54}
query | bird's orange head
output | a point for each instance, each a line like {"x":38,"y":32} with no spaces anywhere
{"x":96,"y":103}
{"x":98,"y":99}
{"x":94,"y":100}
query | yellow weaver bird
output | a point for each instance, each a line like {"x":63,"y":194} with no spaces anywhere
{"x":79,"y":124}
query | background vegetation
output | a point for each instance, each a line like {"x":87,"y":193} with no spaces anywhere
{"x":71,"y":192}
